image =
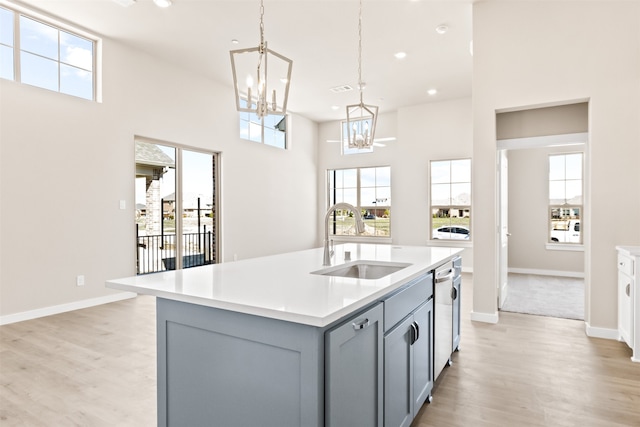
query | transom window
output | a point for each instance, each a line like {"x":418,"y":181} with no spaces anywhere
{"x":46,"y":56}
{"x":366,"y":188}
{"x":451,"y":199}
{"x":565,"y":198}
{"x":269,"y":130}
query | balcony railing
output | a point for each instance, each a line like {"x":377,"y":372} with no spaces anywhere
{"x":158,"y":252}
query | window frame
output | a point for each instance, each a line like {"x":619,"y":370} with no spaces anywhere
{"x":17,"y":51}
{"x":568,"y":245}
{"x":368,"y":207}
{"x":246,"y":117}
{"x":451,"y":206}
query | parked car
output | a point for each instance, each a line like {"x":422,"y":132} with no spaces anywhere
{"x":457,"y":232}
{"x":570,"y":234}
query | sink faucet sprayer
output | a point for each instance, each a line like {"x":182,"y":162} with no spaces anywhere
{"x":359,"y":227}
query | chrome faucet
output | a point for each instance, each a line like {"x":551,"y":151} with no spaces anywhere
{"x":359,"y":228}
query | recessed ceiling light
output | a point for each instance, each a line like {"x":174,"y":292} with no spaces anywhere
{"x":235,"y":41}
{"x":335,"y":107}
{"x":441,"y":29}
{"x":125,"y":3}
{"x":432,"y":91}
{"x":162,"y":3}
{"x":400,"y":55}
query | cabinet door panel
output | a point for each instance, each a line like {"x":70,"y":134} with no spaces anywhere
{"x":354,"y":369}
{"x":423,"y":356}
{"x":625,"y":318}
{"x":398,"y":378}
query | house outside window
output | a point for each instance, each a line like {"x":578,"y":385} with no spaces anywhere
{"x":48,"y":56}
{"x":269,"y":130}
{"x":565,"y":198}
{"x":367,"y":188}
{"x":450,"y":200}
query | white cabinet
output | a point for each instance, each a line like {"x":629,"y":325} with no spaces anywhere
{"x":629,"y":298}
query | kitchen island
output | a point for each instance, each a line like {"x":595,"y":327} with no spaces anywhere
{"x":250,"y":342}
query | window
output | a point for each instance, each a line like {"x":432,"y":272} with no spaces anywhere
{"x":345,"y":141}
{"x":176,"y":207}
{"x":48,"y":57}
{"x":565,"y":198}
{"x":366,"y":188}
{"x":451,"y":199}
{"x":270,"y":130}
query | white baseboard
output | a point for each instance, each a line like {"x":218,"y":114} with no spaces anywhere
{"x":560,"y":273}
{"x":63,"y":308}
{"x":484,"y":317}
{"x":606,"y":333}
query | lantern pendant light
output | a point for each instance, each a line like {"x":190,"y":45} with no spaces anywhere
{"x":361,"y":118}
{"x":258,"y":89}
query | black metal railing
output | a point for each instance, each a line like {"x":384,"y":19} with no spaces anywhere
{"x":158,"y":252}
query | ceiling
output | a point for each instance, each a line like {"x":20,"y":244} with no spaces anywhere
{"x":320,"y":36}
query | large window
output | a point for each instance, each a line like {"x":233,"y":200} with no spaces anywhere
{"x":46,"y":56}
{"x":565,"y":198}
{"x":366,"y":188}
{"x":269,"y":130}
{"x":451,"y":199}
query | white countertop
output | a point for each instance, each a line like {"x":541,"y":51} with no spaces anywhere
{"x":631,"y":250}
{"x":282,"y":286}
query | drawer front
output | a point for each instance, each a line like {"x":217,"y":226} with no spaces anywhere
{"x":399,"y":305}
{"x":625,"y":264}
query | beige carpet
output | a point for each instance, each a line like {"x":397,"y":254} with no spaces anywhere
{"x":545,"y":296}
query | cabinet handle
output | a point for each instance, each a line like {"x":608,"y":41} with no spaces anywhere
{"x":414,"y":333}
{"x":417,"y":330}
{"x":628,"y":290}
{"x":449,"y":276}
{"x":454,"y":293}
{"x":357,"y":325}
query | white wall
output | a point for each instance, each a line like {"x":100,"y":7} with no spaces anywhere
{"x":66,"y":163}
{"x":529,"y":215}
{"x":540,"y":53}
{"x":434,"y":131}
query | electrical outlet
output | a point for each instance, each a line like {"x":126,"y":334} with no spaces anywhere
{"x":80,"y":280}
{"x":123,"y":204}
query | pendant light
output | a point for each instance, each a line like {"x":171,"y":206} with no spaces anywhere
{"x":259,"y":90}
{"x":361,"y":118}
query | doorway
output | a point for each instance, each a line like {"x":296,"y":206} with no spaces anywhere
{"x":176,"y":206}
{"x":529,"y":258}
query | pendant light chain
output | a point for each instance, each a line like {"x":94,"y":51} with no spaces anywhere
{"x":261,"y":23}
{"x":360,"y":51}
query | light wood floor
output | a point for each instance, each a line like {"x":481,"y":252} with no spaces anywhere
{"x":96,"y":367}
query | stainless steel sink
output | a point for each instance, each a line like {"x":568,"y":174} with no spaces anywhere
{"x":363,"y":269}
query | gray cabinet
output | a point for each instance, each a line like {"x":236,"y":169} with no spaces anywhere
{"x":353,"y":371}
{"x":408,"y":356}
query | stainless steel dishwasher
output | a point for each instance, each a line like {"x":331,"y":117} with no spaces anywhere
{"x":443,"y":323}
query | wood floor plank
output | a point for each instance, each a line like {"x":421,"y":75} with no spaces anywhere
{"x":97,"y":367}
